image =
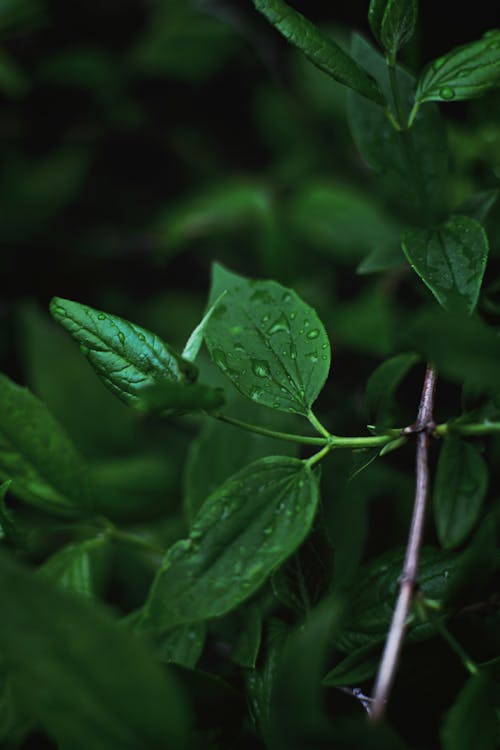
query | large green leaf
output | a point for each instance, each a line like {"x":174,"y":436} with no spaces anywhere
{"x":319,"y":48}
{"x":413,"y":167}
{"x":126,"y":357}
{"x":45,"y":467}
{"x":450,"y":260}
{"x":85,"y":678}
{"x":459,"y":490}
{"x":393,"y":22}
{"x":463,"y":73}
{"x":244,"y":529}
{"x":268,"y":342}
{"x":472,"y":720}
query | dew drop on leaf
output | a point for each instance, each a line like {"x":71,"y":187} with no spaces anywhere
{"x":313,"y":333}
{"x":279,"y":325}
{"x":446,"y":92}
{"x":121,"y":336}
{"x":261,"y":368}
{"x":101,"y":316}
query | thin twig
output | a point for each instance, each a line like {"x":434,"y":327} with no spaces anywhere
{"x":408,"y":581}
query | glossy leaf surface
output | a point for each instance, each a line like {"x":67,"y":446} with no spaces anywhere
{"x":319,"y":48}
{"x":45,"y":467}
{"x":450,"y":260}
{"x":393,"y":22}
{"x":126,"y":357}
{"x":459,"y":490}
{"x":247,"y":527}
{"x":463,"y":73}
{"x":269,"y":342}
{"x":88,"y":681}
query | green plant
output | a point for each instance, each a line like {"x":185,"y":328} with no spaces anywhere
{"x":260,"y":578}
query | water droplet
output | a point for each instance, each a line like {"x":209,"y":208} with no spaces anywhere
{"x":464,"y":73}
{"x":101,"y":316}
{"x":239,"y":347}
{"x":313,"y":333}
{"x":312,"y":356}
{"x":324,"y":346}
{"x":220,"y":359}
{"x":265,"y":318}
{"x":324,"y":357}
{"x":293,"y":314}
{"x":447,"y":93}
{"x":141,"y":337}
{"x":301,"y":331}
{"x":268,"y":531}
{"x":256,"y":394}
{"x":279,"y":325}
{"x":437,"y":64}
{"x":261,"y":296}
{"x":284,"y":353}
{"x":121,"y":336}
{"x":306,"y":323}
{"x":293,"y":351}
{"x":235,"y":330}
{"x":261,"y":368}
{"x":287,"y":297}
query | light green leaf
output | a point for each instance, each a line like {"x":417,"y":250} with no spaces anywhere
{"x":88,"y":681}
{"x":450,"y":260}
{"x":194,"y":342}
{"x":268,"y":342}
{"x":71,"y":566}
{"x":393,"y":22}
{"x":177,"y":398}
{"x":463,"y":73}
{"x":381,"y":387}
{"x":244,"y":529}
{"x":459,"y":490}
{"x":45,"y":467}
{"x":472,"y":720}
{"x":319,"y":48}
{"x":126,"y":357}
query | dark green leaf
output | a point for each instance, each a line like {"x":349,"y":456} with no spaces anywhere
{"x":178,"y":397}
{"x":182,"y":645}
{"x":478,"y":205}
{"x":246,"y":648}
{"x":45,"y":468}
{"x":463,"y":73}
{"x":450,"y":260}
{"x":459,"y":490}
{"x":268,"y":342}
{"x":85,"y":678}
{"x":319,"y":48}
{"x":126,"y":357}
{"x":355,"y":668}
{"x":381,"y":388}
{"x":472,"y":720}
{"x":71,"y":566}
{"x":8,"y":528}
{"x":412,"y":168}
{"x":393,"y":22}
{"x":247,"y":527}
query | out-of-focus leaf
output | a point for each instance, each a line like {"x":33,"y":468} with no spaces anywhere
{"x":459,"y":490}
{"x":88,"y":681}
{"x":126,"y":357}
{"x":244,"y":529}
{"x":178,"y":398}
{"x":472,"y":720}
{"x":450,"y":260}
{"x":382,"y":385}
{"x":182,"y":645}
{"x":359,"y":666}
{"x":71,"y":567}
{"x":36,"y":454}
{"x":319,"y":48}
{"x":478,"y":205}
{"x":269,"y":342}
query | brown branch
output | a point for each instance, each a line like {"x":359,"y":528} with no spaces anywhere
{"x":408,"y":581}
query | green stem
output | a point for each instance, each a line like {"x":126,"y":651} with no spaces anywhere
{"x":486,"y":428}
{"x":318,"y":456}
{"x":317,"y":424}
{"x":426,"y":614}
{"x":123,"y":537}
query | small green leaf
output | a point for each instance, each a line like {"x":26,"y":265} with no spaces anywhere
{"x":459,"y":490}
{"x":182,"y":645}
{"x":45,"y":468}
{"x":268,"y":342}
{"x":247,"y":527}
{"x":463,"y":73}
{"x":472,"y":720}
{"x":246,"y":647}
{"x":126,"y":357}
{"x":319,"y":48}
{"x":71,"y":566}
{"x":194,"y":342}
{"x":450,"y":260}
{"x":381,"y":388}
{"x":177,"y":398}
{"x":88,"y":681}
{"x":393,"y":22}
{"x":355,"y":668}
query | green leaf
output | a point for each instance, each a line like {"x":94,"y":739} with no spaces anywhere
{"x":71,"y":566}
{"x":414,"y":172}
{"x":7,"y":524}
{"x":177,"y":398}
{"x":459,"y":490}
{"x":45,"y":468}
{"x":381,"y":388}
{"x":393,"y":22}
{"x":182,"y":645}
{"x":319,"y":48}
{"x":126,"y":357}
{"x":86,"y":679}
{"x":355,"y":668}
{"x":472,"y":720}
{"x":465,"y":72}
{"x":478,"y":205}
{"x":247,"y":645}
{"x":268,"y":342}
{"x":450,"y":260}
{"x":194,"y":342}
{"x":244,"y":529}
